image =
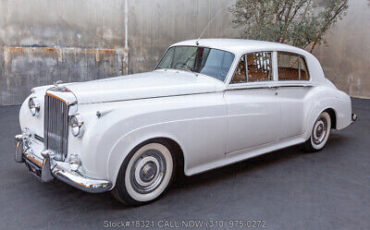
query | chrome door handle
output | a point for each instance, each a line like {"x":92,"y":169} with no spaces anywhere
{"x":275,"y":88}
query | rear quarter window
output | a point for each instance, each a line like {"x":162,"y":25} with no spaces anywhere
{"x":292,"y":67}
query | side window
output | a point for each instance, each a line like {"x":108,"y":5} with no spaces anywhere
{"x":259,"y":67}
{"x":240,"y":74}
{"x":254,"y":67}
{"x":292,"y":67}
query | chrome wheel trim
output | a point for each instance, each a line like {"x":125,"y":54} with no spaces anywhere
{"x":321,"y":131}
{"x":149,"y":172}
{"x":146,"y":170}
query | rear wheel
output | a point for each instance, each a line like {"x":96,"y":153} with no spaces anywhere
{"x":320,"y":134}
{"x":145,"y":174}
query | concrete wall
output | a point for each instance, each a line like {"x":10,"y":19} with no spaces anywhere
{"x":42,"y":41}
{"x":346,"y":56}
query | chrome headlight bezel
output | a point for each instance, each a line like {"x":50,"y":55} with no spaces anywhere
{"x":34,"y":106}
{"x":76,"y":125}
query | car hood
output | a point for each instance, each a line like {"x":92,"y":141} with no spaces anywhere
{"x":159,"y":83}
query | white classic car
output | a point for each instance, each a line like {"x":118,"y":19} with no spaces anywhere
{"x":208,"y":103}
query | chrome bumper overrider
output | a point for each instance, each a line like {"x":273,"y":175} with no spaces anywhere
{"x":47,"y":169}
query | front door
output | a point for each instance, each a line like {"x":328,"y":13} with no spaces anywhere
{"x":252,"y":105}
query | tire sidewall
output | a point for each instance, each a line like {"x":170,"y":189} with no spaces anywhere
{"x":320,"y":146}
{"x":124,"y":191}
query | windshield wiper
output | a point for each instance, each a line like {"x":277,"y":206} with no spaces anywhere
{"x":188,"y":70}
{"x":185,"y":70}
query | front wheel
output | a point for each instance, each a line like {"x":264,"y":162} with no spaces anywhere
{"x":319,"y":135}
{"x":145,"y":174}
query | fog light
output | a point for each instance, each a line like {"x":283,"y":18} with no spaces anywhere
{"x":74,"y":162}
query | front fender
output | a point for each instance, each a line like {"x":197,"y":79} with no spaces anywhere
{"x":187,"y":120}
{"x":111,"y":138}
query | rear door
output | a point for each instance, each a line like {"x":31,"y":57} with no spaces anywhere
{"x":294,"y":85}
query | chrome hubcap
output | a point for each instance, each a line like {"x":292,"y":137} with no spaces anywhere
{"x":320,"y":131}
{"x":148,"y":171}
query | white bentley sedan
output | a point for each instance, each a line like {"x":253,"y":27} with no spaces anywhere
{"x":208,"y":103}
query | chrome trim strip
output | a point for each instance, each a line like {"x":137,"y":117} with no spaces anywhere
{"x":267,"y":86}
{"x":251,"y":87}
{"x":292,"y":86}
{"x":149,"y":98}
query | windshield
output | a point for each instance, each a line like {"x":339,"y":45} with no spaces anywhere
{"x":211,"y":62}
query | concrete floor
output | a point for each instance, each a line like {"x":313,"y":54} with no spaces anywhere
{"x":287,"y":189}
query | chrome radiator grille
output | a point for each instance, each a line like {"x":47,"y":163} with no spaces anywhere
{"x":56,"y":126}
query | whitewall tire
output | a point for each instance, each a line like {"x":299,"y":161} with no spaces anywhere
{"x":145,"y":174}
{"x":320,"y":133}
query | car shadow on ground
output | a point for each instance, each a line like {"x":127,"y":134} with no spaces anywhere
{"x":256,"y":163}
{"x":106,"y":201}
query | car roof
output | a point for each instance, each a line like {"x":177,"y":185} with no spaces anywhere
{"x":238,"y":46}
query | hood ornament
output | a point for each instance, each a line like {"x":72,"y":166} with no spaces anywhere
{"x":57,"y":83}
{"x":58,"y":87}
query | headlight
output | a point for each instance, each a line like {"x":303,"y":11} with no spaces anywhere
{"x":34,"y":106}
{"x":77,"y":125}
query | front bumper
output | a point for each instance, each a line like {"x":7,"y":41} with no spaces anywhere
{"x":46,"y":168}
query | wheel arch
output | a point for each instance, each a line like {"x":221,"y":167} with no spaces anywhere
{"x":333,"y":117}
{"x":118,"y":156}
{"x":174,"y":147}
{"x":315,"y":114}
